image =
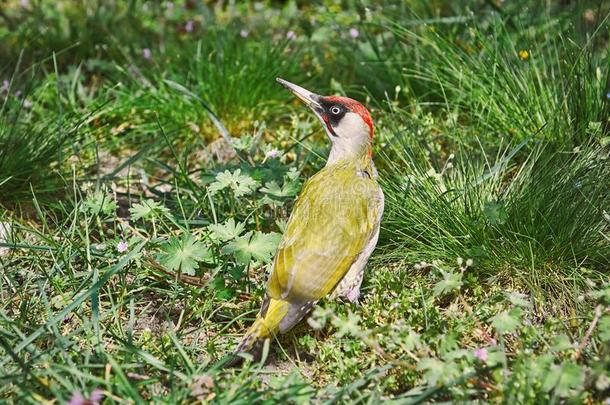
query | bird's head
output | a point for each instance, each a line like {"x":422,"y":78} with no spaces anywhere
{"x":348,"y":123}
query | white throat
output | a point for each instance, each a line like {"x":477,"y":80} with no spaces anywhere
{"x":352,"y":138}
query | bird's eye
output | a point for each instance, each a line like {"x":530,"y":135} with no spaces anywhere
{"x":335,"y":110}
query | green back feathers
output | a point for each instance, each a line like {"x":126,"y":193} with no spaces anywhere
{"x":332,"y":220}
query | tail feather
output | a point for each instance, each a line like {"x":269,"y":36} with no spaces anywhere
{"x":266,"y":325}
{"x":277,"y":316}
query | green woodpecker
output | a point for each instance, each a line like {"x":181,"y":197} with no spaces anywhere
{"x":334,"y":225}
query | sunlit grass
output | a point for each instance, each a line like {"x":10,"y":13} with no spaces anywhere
{"x":136,"y":244}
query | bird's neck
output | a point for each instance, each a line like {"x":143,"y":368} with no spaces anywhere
{"x":342,"y":151}
{"x":360,"y":160}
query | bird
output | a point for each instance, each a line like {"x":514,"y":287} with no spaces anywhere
{"x":333,"y":227}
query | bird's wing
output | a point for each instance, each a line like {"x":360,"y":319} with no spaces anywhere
{"x":332,"y":221}
{"x":349,"y":286}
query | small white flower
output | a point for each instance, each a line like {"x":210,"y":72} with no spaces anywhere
{"x":86,"y":186}
{"x":122,"y":246}
{"x":273,"y":153}
{"x":189,"y":26}
{"x":146,"y":54}
{"x":244,"y":33}
{"x":291,"y":35}
{"x":354,"y":33}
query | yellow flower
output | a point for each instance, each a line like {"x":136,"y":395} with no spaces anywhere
{"x":524,"y":55}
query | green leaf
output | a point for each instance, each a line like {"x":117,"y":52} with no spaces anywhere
{"x":347,"y":326}
{"x":564,"y":379}
{"x":183,"y":254}
{"x":518,"y":299}
{"x":238,"y":183}
{"x":412,"y":340}
{"x":477,"y":252}
{"x":456,"y":354}
{"x":222,"y":291}
{"x":437,"y":372}
{"x":243,"y":143}
{"x":293,"y":174}
{"x":603,"y":294}
{"x":594,"y":128}
{"x":450,"y":282}
{"x":319,"y":317}
{"x":561,"y":342}
{"x":507,"y":321}
{"x":225,"y":294}
{"x":236,"y":272}
{"x":289,"y":189}
{"x":227,"y":231}
{"x":495,"y":356}
{"x":538,"y":367}
{"x":495,"y":212}
{"x":256,"y":246}
{"x":100,"y":202}
{"x":147,"y":209}
{"x":604,"y":328}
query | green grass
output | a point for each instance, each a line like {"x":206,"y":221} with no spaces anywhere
{"x":135,"y":241}
{"x":31,"y":149}
{"x":536,"y":225}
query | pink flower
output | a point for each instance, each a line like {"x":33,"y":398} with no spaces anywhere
{"x":25,"y":3}
{"x":244,"y":33}
{"x":189,"y":26}
{"x":146,"y":54}
{"x":94,"y":399}
{"x":291,"y":35}
{"x":354,"y":33}
{"x":481,"y":354}
{"x":5,"y":86}
{"x":122,"y":247}
{"x":273,"y":153}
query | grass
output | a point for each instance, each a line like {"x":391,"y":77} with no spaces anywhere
{"x":136,"y":237}
{"x":511,"y":218}
{"x":27,"y":147}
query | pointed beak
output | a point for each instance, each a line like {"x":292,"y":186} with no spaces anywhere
{"x":310,"y":99}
